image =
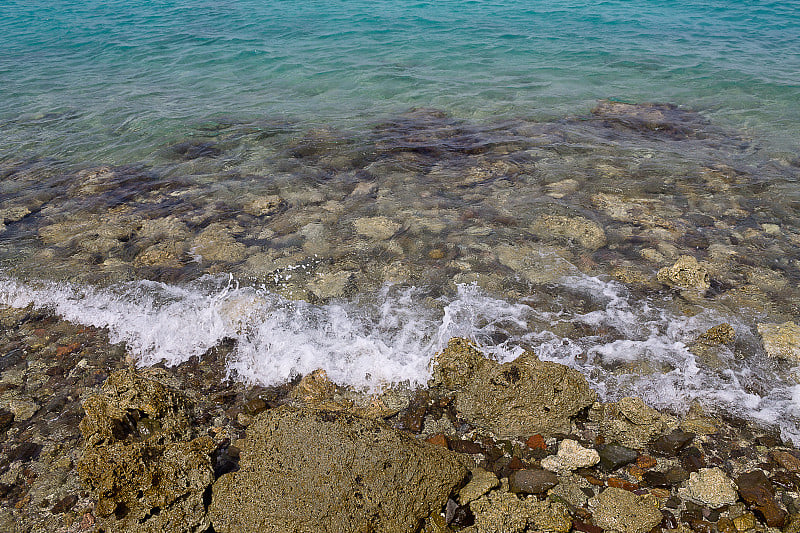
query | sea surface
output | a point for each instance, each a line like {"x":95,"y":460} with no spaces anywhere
{"x":346,"y":185}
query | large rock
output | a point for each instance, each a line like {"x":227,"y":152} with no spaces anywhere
{"x":686,"y":273}
{"x":139,"y":460}
{"x":520,"y":398}
{"x":781,"y":340}
{"x":315,"y":470}
{"x":629,"y":422}
{"x":711,"y":487}
{"x":503,"y":511}
{"x":623,"y":511}
{"x":570,"y":456}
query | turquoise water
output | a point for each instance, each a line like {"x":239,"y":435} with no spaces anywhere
{"x":113,"y":81}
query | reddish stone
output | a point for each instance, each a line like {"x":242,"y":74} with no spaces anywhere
{"x":786,"y":460}
{"x":646,"y":461}
{"x":621,"y":484}
{"x":64,"y":350}
{"x":516,"y":464}
{"x":536,"y":442}
{"x":577,"y":525}
{"x":439,"y":440}
{"x":756,"y":490}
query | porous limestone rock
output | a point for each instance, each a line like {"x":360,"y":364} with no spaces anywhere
{"x":781,"y":340}
{"x":139,"y":460}
{"x":686,"y":273}
{"x":575,"y":229}
{"x":481,"y":483}
{"x":377,"y":228}
{"x":623,"y":511}
{"x":524,"y":397}
{"x":216,"y":243}
{"x":711,"y":487}
{"x":317,"y":470}
{"x":503,"y":511}
{"x":570,"y":456}
{"x":629,"y":422}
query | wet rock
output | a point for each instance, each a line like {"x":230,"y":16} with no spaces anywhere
{"x":6,"y":419}
{"x":511,"y":399}
{"x":613,"y":456}
{"x":781,"y":340}
{"x":575,"y":229}
{"x":720,"y":334}
{"x":745,"y":522}
{"x":570,"y":456}
{"x":333,"y":285}
{"x":711,"y":487}
{"x":264,"y":206}
{"x":216,"y":243}
{"x":535,"y":264}
{"x":503,"y":511}
{"x":686,"y":273}
{"x":480,"y":483}
{"x":64,"y":504}
{"x":665,"y":119}
{"x":139,"y":460}
{"x":692,"y":459}
{"x":787,"y":460}
{"x":533,"y":481}
{"x":570,"y":489}
{"x":629,"y":422}
{"x":672,"y":443}
{"x":376,"y":228}
{"x":756,"y":490}
{"x":620,"y":510}
{"x":13,"y":213}
{"x":315,"y":470}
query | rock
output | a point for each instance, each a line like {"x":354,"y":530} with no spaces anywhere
{"x":139,"y":460}
{"x":161,"y":254}
{"x":671,"y":443}
{"x":629,"y":422}
{"x":535,"y":264}
{"x":376,"y":228}
{"x":14,"y":213}
{"x":332,"y":285}
{"x":522,"y":397}
{"x":720,"y":334}
{"x":664,"y":119}
{"x":503,"y":511}
{"x":562,"y":188}
{"x":686,"y":273}
{"x":263,"y":206}
{"x":745,"y":522}
{"x":625,"y":512}
{"x":786,"y":460}
{"x":481,"y":483}
{"x":575,"y":229}
{"x":216,"y":243}
{"x":756,"y":489}
{"x":613,"y":456}
{"x":570,"y":456}
{"x":781,"y":340}
{"x":315,"y":470}
{"x":531,"y":481}
{"x":710,"y":487}
{"x":570,"y":490}
{"x":21,"y":409}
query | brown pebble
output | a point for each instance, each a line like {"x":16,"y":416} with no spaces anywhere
{"x":438,"y":440}
{"x":756,"y":490}
{"x":725,"y":525}
{"x":661,"y":494}
{"x":516,"y":463}
{"x":621,"y":484}
{"x":65,"y":504}
{"x":591,"y":478}
{"x":636,"y":472}
{"x":646,"y":461}
{"x":577,"y":525}
{"x":436,"y":254}
{"x":465,"y":446}
{"x":786,"y":460}
{"x":536,"y":442}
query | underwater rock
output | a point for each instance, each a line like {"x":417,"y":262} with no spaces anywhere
{"x":263,"y":206}
{"x":535,"y":264}
{"x":665,"y":119}
{"x":629,"y":422}
{"x":139,"y":459}
{"x":686,"y":273}
{"x":623,"y":511}
{"x":376,"y":228}
{"x":333,"y":284}
{"x":216,"y":243}
{"x":315,"y":470}
{"x":781,"y":340}
{"x":523,"y":397}
{"x":572,"y":229}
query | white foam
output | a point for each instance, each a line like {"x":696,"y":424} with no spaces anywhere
{"x":391,"y":337}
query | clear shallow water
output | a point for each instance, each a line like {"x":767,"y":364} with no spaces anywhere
{"x":113,"y":81}
{"x":186,"y":173}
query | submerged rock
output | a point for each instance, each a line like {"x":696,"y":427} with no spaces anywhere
{"x":139,"y":460}
{"x":686,"y":273}
{"x":781,"y":340}
{"x":377,"y":228}
{"x":314,"y":470}
{"x":523,"y":397}
{"x":572,"y":229}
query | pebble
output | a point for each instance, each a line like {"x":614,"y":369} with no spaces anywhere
{"x":786,"y":460}
{"x":756,"y":490}
{"x":613,"y":456}
{"x":532,"y":481}
{"x":670,"y":444}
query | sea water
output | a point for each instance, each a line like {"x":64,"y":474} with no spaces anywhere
{"x":347,"y":185}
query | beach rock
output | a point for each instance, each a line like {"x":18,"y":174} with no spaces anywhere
{"x":629,"y":422}
{"x":756,"y":489}
{"x":480,"y":483}
{"x":613,"y":456}
{"x":376,"y":228}
{"x":523,"y":397}
{"x":315,"y":470}
{"x":720,"y":334}
{"x":570,"y":490}
{"x":623,"y":511}
{"x":686,"y":273}
{"x":531,"y":481}
{"x":535,"y":264}
{"x":781,"y":340}
{"x":710,"y":487}
{"x":787,"y":460}
{"x":14,"y":213}
{"x":503,"y":511}
{"x":575,"y":229}
{"x":139,"y":459}
{"x":673,"y":442}
{"x":570,"y":456}
{"x":332,"y":285}
{"x":263,"y":206}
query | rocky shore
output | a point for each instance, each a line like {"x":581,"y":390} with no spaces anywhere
{"x":92,"y":444}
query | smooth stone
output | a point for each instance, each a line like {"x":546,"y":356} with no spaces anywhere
{"x":613,"y":456}
{"x":534,"y":481}
{"x":756,"y":489}
{"x":671,"y":443}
